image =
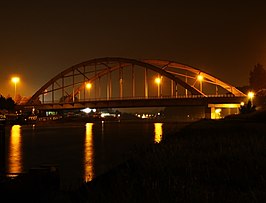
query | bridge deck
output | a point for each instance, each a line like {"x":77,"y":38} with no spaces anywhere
{"x":149,"y":102}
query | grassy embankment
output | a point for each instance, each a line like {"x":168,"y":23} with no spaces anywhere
{"x":207,"y":161}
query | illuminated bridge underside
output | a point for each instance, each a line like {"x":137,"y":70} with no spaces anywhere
{"x":120,"y":82}
{"x":226,"y":102}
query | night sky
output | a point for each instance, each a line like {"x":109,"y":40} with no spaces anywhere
{"x":42,"y":38}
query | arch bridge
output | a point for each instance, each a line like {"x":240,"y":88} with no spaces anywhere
{"x":122,"y":82}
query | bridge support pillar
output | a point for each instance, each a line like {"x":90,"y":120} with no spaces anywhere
{"x":209,"y":112}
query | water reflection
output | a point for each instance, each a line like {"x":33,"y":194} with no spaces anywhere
{"x":158,"y":132}
{"x":14,"y":154}
{"x":88,"y":153}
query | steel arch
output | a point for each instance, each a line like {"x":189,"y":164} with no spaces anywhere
{"x":166,"y":64}
{"x":159,"y":66}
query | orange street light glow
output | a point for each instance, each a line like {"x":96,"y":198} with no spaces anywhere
{"x":200,"y":77}
{"x":15,"y":79}
{"x":250,"y":95}
{"x":157,"y":80}
{"x":88,"y":85}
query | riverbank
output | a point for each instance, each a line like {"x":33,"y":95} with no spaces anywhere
{"x":207,"y":161}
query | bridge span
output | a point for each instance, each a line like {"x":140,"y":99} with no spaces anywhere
{"x":143,"y":102}
{"x":210,"y":103}
{"x":121,"y":82}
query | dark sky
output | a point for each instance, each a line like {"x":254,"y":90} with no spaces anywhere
{"x":38,"y":40}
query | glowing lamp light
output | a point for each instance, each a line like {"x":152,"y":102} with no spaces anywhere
{"x":158,"y":80}
{"x":200,"y":77}
{"x":218,"y":111}
{"x":86,"y":110}
{"x":242,"y":104}
{"x":88,"y":85}
{"x":15,"y":80}
{"x":250,"y":95}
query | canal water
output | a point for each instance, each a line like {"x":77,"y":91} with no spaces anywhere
{"x":79,"y":151}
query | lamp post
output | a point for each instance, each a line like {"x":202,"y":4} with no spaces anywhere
{"x":251,"y":96}
{"x":88,"y":86}
{"x":158,"y":80}
{"x":200,"y":79}
{"x":15,"y":80}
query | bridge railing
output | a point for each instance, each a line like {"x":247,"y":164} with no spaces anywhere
{"x":139,"y":98}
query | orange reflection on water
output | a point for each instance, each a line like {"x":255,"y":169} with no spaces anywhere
{"x":88,"y":153}
{"x":158,"y":132}
{"x":15,"y":155}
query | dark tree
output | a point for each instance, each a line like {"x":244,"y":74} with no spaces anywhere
{"x":10,"y":103}
{"x":7,"y":104}
{"x":2,"y":102}
{"x":257,"y":77}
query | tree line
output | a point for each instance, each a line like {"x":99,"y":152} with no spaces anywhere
{"x":257,"y":78}
{"x":6,"y":103}
{"x":257,"y":83}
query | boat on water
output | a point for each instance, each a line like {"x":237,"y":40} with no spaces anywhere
{"x":37,"y":119}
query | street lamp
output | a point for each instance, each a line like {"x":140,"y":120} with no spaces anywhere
{"x":158,"y":80}
{"x":15,"y":80}
{"x":88,"y":86}
{"x":200,"y":79}
{"x":251,"y":96}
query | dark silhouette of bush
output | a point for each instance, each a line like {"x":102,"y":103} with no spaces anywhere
{"x":248,"y":108}
{"x":6,"y":103}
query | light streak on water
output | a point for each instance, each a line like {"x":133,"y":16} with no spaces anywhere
{"x":158,"y":132}
{"x":14,"y":152}
{"x":88,"y":153}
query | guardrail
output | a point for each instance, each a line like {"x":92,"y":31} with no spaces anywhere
{"x":140,"y":98}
